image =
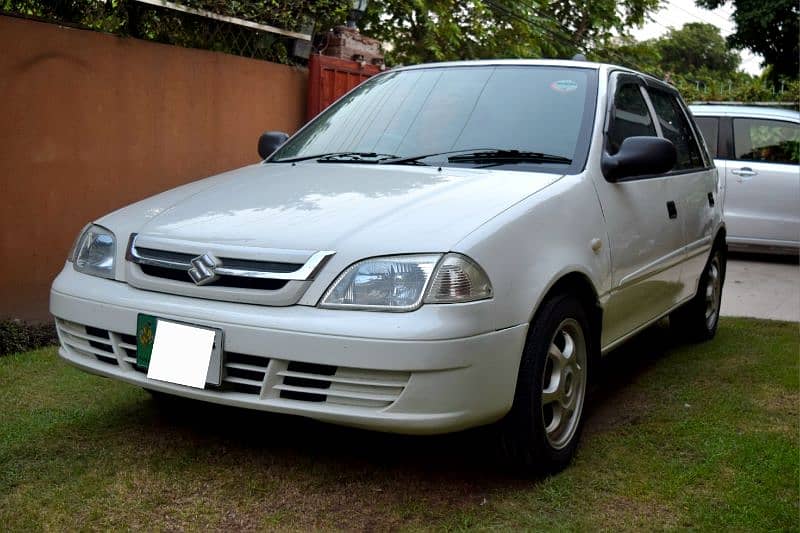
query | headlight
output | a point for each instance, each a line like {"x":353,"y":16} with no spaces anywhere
{"x":94,"y":252}
{"x":400,"y":283}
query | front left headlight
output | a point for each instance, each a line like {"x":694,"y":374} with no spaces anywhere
{"x":404,"y":282}
{"x":94,"y":252}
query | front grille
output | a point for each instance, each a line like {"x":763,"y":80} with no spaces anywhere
{"x":223,"y":281}
{"x":241,"y":264}
{"x":253,"y":374}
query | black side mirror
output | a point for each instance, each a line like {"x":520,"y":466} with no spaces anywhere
{"x":269,"y":142}
{"x":639,"y":157}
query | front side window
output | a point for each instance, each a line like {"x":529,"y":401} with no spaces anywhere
{"x":709,"y":128}
{"x":631,"y":117}
{"x":677,"y":129}
{"x":442,"y":110}
{"x":771,"y":141}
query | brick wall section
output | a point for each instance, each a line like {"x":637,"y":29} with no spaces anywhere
{"x":90,"y":122}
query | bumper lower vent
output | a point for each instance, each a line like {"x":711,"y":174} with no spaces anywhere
{"x":255,"y":375}
{"x":356,"y":387}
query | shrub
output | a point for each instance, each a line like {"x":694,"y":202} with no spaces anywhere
{"x":19,"y":336}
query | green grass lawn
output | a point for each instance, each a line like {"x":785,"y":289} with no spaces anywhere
{"x":678,"y":436}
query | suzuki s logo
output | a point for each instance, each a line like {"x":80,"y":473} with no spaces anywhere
{"x":202,"y":271}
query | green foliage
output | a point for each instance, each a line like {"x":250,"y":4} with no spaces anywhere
{"x":694,"y":47}
{"x":769,"y":28}
{"x":696,"y":60}
{"x":17,"y":336}
{"x":421,"y":31}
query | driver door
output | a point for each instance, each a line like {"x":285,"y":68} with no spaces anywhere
{"x":642,"y":220}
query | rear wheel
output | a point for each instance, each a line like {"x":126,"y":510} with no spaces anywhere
{"x":541,"y":432}
{"x":699,"y":318}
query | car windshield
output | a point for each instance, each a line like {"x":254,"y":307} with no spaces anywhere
{"x":426,"y":116}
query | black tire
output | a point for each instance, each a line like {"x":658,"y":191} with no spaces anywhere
{"x":698,"y":319}
{"x":525,"y":440}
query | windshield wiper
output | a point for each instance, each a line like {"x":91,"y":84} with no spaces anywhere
{"x":483,"y":155}
{"x":507,"y":156}
{"x":348,"y":157}
{"x":339,"y":157}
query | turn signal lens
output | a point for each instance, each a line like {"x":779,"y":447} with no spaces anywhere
{"x":458,"y":279}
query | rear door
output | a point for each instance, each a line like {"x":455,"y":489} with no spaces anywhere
{"x":645,"y":236}
{"x":710,"y":129}
{"x":762,"y":205}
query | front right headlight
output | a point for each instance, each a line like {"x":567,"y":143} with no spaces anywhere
{"x":402,"y":283}
{"x":94,"y":252}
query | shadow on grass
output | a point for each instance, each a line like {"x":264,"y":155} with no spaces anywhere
{"x":459,"y":457}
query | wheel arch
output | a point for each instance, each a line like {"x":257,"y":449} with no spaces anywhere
{"x":579,"y":285}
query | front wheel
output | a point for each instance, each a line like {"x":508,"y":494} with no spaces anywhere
{"x":541,"y":432}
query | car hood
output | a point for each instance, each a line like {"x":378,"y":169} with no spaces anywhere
{"x":366,"y":209}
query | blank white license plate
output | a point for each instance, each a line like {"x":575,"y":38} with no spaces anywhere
{"x":185,"y":355}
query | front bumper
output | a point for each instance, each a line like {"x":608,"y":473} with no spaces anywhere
{"x":433,"y":370}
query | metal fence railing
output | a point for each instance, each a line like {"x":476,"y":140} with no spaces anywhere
{"x":178,"y":24}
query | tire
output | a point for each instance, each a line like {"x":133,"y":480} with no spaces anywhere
{"x":698,"y":319}
{"x":551,"y":386}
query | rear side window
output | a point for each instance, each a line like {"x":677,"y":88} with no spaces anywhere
{"x":677,"y":129}
{"x":709,"y":127}
{"x":631,"y":117}
{"x":771,"y":141}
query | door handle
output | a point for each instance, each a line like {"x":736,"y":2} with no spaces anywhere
{"x":672,"y":210}
{"x":744,"y":173}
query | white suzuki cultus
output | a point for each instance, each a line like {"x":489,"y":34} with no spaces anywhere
{"x":446,"y":246}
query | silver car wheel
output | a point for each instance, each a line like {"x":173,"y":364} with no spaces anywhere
{"x":713,"y":292}
{"x":564,"y":383}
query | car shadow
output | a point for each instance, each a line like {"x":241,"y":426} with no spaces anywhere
{"x":785,"y":259}
{"x":467,"y":456}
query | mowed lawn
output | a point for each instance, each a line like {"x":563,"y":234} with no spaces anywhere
{"x":678,"y":436}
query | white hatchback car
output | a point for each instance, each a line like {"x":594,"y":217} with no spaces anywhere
{"x":446,"y":246}
{"x":757,"y":152}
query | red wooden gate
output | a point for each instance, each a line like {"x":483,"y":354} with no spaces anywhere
{"x":331,"y":77}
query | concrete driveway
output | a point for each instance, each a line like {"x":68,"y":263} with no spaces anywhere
{"x":762,"y":286}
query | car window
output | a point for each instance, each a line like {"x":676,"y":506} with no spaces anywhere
{"x":709,"y":128}
{"x":677,"y":129}
{"x":631,"y":117}
{"x":434,"y":110}
{"x":772,"y":141}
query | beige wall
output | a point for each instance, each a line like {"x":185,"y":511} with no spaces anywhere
{"x":90,"y":122}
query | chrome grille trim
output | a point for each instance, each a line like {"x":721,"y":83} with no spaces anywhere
{"x":182,"y":261}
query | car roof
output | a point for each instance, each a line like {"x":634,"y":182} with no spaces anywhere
{"x":539,"y":62}
{"x":733,"y":110}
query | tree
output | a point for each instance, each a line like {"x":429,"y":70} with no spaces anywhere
{"x":695,"y":47}
{"x":769,"y":28}
{"x":436,"y":30}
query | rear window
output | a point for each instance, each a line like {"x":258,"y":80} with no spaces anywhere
{"x":677,"y":129}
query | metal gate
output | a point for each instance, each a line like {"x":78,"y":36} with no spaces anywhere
{"x":331,"y":77}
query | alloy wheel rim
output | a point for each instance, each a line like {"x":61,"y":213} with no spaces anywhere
{"x":564,"y":383}
{"x":713,"y":292}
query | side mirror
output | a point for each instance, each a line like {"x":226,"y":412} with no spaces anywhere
{"x":639,"y":156}
{"x":269,"y":142}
